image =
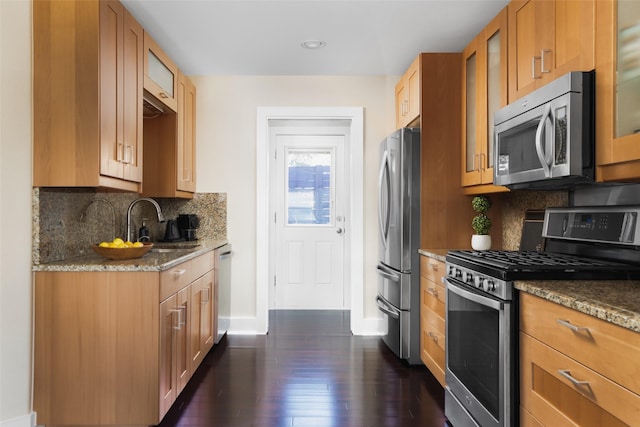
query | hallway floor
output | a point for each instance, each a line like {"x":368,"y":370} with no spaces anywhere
{"x":308,"y":371}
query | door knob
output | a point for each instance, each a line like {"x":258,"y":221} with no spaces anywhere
{"x":339,"y":230}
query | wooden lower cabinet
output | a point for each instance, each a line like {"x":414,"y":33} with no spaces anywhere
{"x":576,"y":370}
{"x":117,"y":348}
{"x":432,"y":316}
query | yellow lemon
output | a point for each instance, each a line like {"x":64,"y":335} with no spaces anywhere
{"x":117,"y":241}
{"x":104,"y":244}
{"x":138,"y":244}
{"x":128,"y":244}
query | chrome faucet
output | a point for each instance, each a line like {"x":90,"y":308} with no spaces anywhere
{"x":142,"y":199}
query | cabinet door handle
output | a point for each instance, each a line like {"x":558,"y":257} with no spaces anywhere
{"x":127,"y":156}
{"x":119,"y":151}
{"x":434,"y":266}
{"x":482,"y":161}
{"x":571,"y":326}
{"x":433,"y":336}
{"x":433,"y":291}
{"x":163,"y":95}
{"x":178,"y":325}
{"x":544,"y":53}
{"x":205,"y":299}
{"x":567,"y":374}
{"x":533,"y":68}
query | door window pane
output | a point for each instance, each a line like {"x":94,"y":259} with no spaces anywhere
{"x":309,"y":187}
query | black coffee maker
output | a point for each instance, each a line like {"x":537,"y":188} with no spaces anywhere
{"x":187,"y":224}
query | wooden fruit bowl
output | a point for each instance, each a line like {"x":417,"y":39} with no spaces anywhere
{"x":122,"y":253}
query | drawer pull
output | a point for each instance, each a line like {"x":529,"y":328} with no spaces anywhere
{"x":433,"y":291}
{"x":433,"y":336}
{"x":178,"y":273}
{"x":567,"y":374}
{"x":434,"y":266}
{"x":573,"y":327}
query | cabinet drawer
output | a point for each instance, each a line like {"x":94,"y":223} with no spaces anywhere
{"x":201,"y":265}
{"x":608,"y":349}
{"x":433,"y":295}
{"x":431,"y":269}
{"x":528,"y":420}
{"x":434,"y":327}
{"x":176,"y":278}
{"x":432,"y":344}
{"x":551,"y":392}
{"x":433,"y":357}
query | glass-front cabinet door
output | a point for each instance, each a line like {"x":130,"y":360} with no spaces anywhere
{"x":618,"y":90}
{"x":484,"y":92}
{"x":628,"y":69}
{"x":160,"y":74}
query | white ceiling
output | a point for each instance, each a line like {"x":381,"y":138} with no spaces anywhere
{"x":262,"y":37}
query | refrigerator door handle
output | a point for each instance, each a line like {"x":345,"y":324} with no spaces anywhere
{"x":386,"y":308}
{"x":384,"y":211}
{"x":387,"y":274}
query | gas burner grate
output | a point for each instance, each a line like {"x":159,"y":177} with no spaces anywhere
{"x":531,"y":260}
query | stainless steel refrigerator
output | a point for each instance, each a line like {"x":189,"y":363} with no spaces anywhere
{"x":399,"y":240}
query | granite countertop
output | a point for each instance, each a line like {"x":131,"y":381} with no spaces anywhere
{"x":615,"y":301}
{"x":438,"y":254}
{"x":151,"y":261}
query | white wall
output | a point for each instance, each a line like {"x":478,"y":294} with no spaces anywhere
{"x":15,"y":213}
{"x":226,"y":144}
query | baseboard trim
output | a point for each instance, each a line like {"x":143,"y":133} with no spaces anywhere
{"x":26,"y":420}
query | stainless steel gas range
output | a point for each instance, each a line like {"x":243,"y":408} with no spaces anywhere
{"x":481,"y":373}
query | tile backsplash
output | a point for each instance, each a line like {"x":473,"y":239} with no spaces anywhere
{"x":66,"y":222}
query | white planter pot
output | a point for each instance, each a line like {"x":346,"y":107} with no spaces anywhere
{"x":481,"y":242}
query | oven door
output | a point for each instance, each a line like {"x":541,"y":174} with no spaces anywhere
{"x":480,"y":358}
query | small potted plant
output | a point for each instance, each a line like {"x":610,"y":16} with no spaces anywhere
{"x":481,"y":224}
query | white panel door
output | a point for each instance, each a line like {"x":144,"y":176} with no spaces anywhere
{"x":309,"y":222}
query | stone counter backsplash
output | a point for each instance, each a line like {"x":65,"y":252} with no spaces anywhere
{"x":516,"y":203}
{"x":66,"y":222}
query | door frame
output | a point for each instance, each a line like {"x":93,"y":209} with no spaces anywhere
{"x":355,"y":213}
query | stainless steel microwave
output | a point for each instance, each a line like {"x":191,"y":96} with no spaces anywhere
{"x":547,"y":138}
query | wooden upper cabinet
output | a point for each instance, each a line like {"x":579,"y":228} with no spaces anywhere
{"x":121,"y":48}
{"x":186,"y":141}
{"x":408,"y":95}
{"x":87,"y":88}
{"x":617,"y":90}
{"x":548,"y":39}
{"x":170,"y":167}
{"x":484,"y":90}
{"x":160,"y":74}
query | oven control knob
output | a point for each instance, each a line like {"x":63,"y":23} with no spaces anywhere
{"x":467,"y":277}
{"x":451,"y":270}
{"x":489,"y":285}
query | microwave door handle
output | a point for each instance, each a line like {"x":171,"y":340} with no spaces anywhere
{"x":539,"y":148}
{"x":383,"y":211}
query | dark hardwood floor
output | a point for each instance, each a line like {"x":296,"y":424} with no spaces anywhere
{"x":308,"y":371}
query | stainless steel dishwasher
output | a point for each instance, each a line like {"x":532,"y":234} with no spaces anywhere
{"x":223,"y":282}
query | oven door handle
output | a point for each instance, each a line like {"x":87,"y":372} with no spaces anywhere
{"x":482,"y":300}
{"x":386,"y":308}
